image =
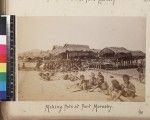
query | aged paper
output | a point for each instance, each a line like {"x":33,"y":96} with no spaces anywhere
{"x":2,"y":7}
{"x":98,"y":51}
{"x":91,"y":108}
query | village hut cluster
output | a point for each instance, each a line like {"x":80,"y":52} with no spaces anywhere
{"x":80,"y":57}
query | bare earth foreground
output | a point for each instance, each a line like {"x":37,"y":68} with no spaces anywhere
{"x":33,"y":88}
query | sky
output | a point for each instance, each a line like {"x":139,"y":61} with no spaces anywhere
{"x":97,"y":32}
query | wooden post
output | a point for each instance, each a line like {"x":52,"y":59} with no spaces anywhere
{"x":67,"y":55}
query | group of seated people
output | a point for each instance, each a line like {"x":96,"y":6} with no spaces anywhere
{"x":46,"y":75}
{"x":115,"y":90}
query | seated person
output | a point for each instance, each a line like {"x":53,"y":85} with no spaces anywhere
{"x":83,"y":83}
{"x":93,"y":79}
{"x":128,"y":89}
{"x":45,"y":76}
{"x":101,"y":84}
{"x":92,"y":82}
{"x":115,"y":91}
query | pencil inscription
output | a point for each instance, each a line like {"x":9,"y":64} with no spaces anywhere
{"x":98,"y":2}
{"x":78,"y":107}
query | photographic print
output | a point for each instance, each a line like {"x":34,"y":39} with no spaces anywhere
{"x":81,"y":58}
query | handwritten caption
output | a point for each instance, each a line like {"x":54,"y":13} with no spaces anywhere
{"x":77,"y":107}
{"x":98,"y":2}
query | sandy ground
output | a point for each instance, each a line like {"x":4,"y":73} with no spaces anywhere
{"x":33,"y":88}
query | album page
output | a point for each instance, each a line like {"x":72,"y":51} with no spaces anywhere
{"x":2,"y":7}
{"x":81,"y":59}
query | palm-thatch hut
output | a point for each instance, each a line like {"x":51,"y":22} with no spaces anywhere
{"x":118,"y":55}
{"x":138,"y":58}
{"x":73,"y":51}
{"x":122,"y":57}
{"x":73,"y":55}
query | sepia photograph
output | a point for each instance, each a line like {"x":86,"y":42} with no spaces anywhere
{"x":94,"y":58}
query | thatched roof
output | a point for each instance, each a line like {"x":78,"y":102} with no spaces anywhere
{"x":56,"y":47}
{"x":76,"y":47}
{"x":69,"y":47}
{"x":138,"y":54}
{"x":95,"y":50}
{"x":117,"y":49}
{"x":114,"y":50}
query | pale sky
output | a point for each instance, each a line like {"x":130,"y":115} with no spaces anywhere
{"x":97,"y":32}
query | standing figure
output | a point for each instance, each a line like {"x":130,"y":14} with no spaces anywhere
{"x":38,"y":64}
{"x":140,"y":73}
{"x":23,"y":66}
